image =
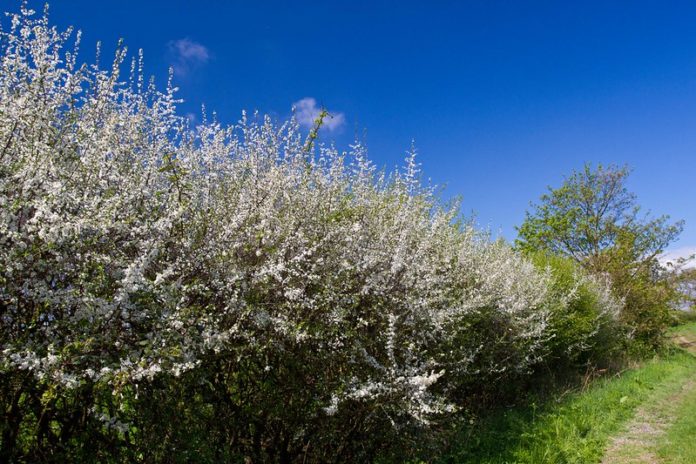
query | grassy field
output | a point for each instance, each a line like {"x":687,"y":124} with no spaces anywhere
{"x":643,"y":415}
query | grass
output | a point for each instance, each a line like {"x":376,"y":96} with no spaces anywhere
{"x":659,"y":432}
{"x":577,"y":427}
{"x":678,"y":445}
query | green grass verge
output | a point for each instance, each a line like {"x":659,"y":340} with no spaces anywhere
{"x":678,"y":446}
{"x":576,"y":428}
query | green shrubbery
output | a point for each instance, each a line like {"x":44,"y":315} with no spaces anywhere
{"x":584,"y":316}
{"x":212,"y":294}
{"x":595,"y":221}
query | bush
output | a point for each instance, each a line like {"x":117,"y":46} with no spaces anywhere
{"x":177,"y":294}
{"x":584,"y":315}
{"x":594,"y":220}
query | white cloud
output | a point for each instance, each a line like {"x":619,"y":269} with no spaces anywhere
{"x":187,"y":55}
{"x":307,"y":112}
{"x":671,"y":256}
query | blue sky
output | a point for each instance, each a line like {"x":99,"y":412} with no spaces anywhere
{"x":502,"y":98}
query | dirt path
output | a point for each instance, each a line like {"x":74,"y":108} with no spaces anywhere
{"x":637,"y":443}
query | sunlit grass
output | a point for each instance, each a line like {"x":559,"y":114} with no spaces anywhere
{"x":576,"y":428}
{"x":678,"y":446}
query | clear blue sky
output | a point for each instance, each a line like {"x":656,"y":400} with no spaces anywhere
{"x":502,"y":98}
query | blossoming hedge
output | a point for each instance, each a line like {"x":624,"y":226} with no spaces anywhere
{"x":215,"y":293}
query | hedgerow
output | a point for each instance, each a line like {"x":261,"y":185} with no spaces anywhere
{"x":214,"y":293}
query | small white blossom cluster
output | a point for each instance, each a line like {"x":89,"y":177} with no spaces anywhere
{"x":133,"y":247}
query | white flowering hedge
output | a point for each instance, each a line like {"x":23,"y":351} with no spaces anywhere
{"x":210,"y":293}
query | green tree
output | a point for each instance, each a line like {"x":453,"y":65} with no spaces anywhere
{"x":596,"y":221}
{"x":683,"y":276}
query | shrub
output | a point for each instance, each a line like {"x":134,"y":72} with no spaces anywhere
{"x":594,"y":220}
{"x":171,"y":294}
{"x":584,"y":317}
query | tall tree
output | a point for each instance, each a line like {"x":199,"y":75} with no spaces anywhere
{"x":595,"y":220}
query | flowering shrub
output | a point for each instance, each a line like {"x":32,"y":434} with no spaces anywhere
{"x":210,"y":293}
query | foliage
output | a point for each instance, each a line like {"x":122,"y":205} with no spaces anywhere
{"x":686,"y":285}
{"x":574,"y":427}
{"x":593,"y":212}
{"x":682,"y":275}
{"x":177,"y":294}
{"x":583,"y":315}
{"x":594,"y":220}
